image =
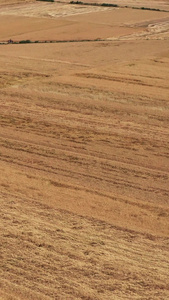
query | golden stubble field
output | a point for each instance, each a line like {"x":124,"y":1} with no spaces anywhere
{"x":84,"y":153}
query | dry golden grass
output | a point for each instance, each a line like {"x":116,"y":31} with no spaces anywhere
{"x":52,"y":254}
{"x":84,"y":162}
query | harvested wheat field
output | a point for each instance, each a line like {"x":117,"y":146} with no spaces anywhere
{"x":84,"y":152}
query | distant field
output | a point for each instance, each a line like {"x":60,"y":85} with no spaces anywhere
{"x":11,"y":2}
{"x":84,"y":153}
{"x":44,"y":21}
{"x":139,"y":3}
{"x":158,"y":4}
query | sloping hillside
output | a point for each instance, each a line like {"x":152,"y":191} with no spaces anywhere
{"x":84,"y":158}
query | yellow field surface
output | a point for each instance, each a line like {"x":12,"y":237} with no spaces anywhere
{"x":84,"y":155}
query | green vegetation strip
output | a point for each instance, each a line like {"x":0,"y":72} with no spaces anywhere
{"x":51,"y":41}
{"x":47,"y":0}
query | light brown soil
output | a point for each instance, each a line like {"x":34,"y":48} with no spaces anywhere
{"x":56,"y":21}
{"x":84,"y":165}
